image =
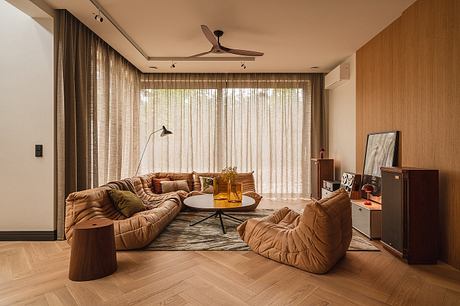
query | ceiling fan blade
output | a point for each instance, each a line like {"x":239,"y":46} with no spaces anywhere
{"x":244,"y":52}
{"x":207,"y":32}
{"x":200,"y":54}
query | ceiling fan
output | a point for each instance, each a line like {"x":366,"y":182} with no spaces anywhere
{"x":218,"y":48}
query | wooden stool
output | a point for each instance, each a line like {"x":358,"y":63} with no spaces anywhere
{"x":93,"y":252}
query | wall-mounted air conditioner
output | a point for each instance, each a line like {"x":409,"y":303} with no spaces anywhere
{"x":337,"y":77}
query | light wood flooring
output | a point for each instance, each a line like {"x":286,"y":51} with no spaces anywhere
{"x":35,"y":273}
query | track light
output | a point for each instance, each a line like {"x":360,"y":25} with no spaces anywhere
{"x":243,"y":65}
{"x":98,"y":17}
{"x":173,"y":65}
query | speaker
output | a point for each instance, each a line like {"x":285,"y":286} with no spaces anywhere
{"x":351,"y":182}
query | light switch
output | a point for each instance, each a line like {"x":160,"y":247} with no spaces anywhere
{"x":38,"y":150}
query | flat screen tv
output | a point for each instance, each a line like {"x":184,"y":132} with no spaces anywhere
{"x":381,"y":151}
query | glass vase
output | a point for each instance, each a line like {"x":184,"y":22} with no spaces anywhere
{"x":235,"y":192}
{"x":220,"y":192}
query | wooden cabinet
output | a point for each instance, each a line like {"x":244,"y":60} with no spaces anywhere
{"x":367,"y":219}
{"x":321,"y":169}
{"x":410,"y":213}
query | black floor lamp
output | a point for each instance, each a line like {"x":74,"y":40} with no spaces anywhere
{"x":164,"y":132}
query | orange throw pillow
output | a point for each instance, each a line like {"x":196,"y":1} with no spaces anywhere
{"x":157,"y":184}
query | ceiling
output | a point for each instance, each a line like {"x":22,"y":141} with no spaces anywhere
{"x":295,"y":35}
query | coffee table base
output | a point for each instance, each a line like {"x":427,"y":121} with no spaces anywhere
{"x":219,"y":213}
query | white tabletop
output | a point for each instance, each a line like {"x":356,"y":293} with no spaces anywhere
{"x":206,"y":201}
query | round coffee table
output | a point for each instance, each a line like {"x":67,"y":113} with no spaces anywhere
{"x":206,"y":202}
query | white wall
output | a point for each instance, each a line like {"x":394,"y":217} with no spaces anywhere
{"x":26,"y":119}
{"x":342,"y":123}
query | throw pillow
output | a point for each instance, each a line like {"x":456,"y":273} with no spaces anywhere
{"x":157,"y":184}
{"x":126,"y":202}
{"x":170,"y":186}
{"x":207,"y":184}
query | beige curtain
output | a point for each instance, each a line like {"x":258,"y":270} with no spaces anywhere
{"x":97,"y":98}
{"x":257,"y":122}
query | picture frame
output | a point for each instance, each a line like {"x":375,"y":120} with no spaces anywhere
{"x":381,"y":150}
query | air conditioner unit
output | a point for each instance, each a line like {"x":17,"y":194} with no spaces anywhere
{"x":337,"y":77}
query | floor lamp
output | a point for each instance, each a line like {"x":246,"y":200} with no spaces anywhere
{"x":164,"y":132}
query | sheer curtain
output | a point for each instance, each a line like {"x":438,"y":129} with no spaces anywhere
{"x":257,"y":122}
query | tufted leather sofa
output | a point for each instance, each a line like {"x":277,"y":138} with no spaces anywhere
{"x":142,"y":228}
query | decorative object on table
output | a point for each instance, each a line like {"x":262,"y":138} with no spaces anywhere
{"x":220,"y":191}
{"x":313,"y":241}
{"x":234,"y":189}
{"x":351,"y":183}
{"x":410,"y":223}
{"x":368,"y":189}
{"x":126,"y":202}
{"x":92,"y":254}
{"x":207,"y":184}
{"x":321,"y":169}
{"x":180,"y":236}
{"x":329,"y":187}
{"x":164,"y":132}
{"x":381,"y":151}
{"x":206,"y":202}
{"x":367,"y":218}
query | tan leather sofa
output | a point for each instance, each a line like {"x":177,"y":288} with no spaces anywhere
{"x":313,"y":241}
{"x":142,"y":228}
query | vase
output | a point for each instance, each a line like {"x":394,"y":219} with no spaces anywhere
{"x":220,"y":192}
{"x":235,"y":192}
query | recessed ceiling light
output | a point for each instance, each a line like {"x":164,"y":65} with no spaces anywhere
{"x":153,"y":67}
{"x":314,"y":67}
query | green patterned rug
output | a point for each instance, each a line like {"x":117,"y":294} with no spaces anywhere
{"x":208,"y":236}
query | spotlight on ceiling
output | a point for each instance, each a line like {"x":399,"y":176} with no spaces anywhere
{"x":243,"y":65}
{"x":98,"y":17}
{"x":173,"y":65}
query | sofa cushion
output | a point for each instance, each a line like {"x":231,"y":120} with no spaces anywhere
{"x":175,"y":176}
{"x":126,"y":202}
{"x":170,"y":186}
{"x":156,"y":184}
{"x":207,"y":184}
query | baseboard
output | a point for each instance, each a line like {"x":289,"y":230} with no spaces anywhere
{"x":27,"y":235}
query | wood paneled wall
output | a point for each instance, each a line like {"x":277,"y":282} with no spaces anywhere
{"x":408,"y":80}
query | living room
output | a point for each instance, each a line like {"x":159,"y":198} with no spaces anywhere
{"x":237,"y":152}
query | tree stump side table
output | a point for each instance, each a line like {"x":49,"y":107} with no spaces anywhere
{"x":93,"y":253}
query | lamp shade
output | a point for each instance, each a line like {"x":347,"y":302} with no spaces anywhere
{"x":165,"y":131}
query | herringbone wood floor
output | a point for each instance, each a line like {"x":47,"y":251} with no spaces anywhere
{"x":35,"y":273}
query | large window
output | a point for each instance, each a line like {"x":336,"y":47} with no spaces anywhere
{"x":257,"y":125}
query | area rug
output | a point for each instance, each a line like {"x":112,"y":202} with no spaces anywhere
{"x":208,"y":236}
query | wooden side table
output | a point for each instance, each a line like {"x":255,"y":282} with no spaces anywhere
{"x":93,"y":253}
